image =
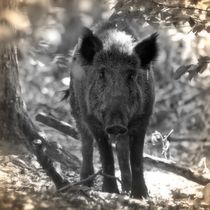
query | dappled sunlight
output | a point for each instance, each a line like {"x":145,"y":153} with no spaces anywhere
{"x":163,"y":185}
{"x":48,"y":36}
{"x":66,"y":81}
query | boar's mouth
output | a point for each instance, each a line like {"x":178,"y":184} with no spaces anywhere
{"x":116,"y":129}
{"x":116,"y":123}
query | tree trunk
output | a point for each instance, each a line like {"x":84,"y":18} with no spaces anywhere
{"x":17,"y":130}
{"x":15,"y":124}
{"x":10,"y":101}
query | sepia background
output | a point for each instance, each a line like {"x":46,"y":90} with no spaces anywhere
{"x":45,"y":33}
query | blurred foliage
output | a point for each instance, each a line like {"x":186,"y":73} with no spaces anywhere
{"x":180,"y":13}
{"x":193,"y":69}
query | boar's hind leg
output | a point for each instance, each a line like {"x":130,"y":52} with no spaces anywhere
{"x":138,"y":189}
{"x":87,"y":155}
{"x":123,"y":154}
{"x":106,"y":154}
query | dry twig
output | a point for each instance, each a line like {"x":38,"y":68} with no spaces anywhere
{"x":90,"y":178}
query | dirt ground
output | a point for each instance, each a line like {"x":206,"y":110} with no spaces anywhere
{"x":25,"y":186}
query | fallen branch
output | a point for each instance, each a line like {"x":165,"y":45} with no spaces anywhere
{"x":38,"y":144}
{"x":187,"y":138}
{"x":156,"y":162}
{"x":47,"y":164}
{"x":174,"y":168}
{"x":48,"y":154}
{"x":112,"y":177}
{"x":90,"y":178}
{"x":58,"y":125}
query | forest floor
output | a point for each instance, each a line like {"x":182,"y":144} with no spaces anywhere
{"x":24,"y":185}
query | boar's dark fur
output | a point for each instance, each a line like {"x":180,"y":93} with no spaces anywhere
{"x":111,"y":97}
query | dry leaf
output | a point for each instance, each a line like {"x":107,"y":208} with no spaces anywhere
{"x":191,"y":21}
{"x":198,"y":28}
{"x":180,"y":71}
{"x":206,"y":193}
{"x":193,"y":69}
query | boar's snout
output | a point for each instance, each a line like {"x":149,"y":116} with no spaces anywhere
{"x":117,"y":124}
{"x":116,"y":116}
{"x":116,"y":129}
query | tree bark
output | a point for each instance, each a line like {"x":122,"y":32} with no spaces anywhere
{"x":10,"y":101}
{"x":11,"y":104}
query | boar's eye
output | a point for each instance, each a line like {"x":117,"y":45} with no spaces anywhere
{"x":101,"y":73}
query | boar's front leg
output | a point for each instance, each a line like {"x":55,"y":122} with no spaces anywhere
{"x":87,"y":155}
{"x":123,"y":154}
{"x":107,"y":159}
{"x":138,"y":188}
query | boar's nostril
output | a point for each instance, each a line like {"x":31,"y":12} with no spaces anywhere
{"x":116,"y":129}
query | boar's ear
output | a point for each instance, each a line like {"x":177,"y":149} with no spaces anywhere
{"x":90,"y":45}
{"x":147,"y":49}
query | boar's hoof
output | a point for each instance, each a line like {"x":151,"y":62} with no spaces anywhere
{"x":140,"y":193}
{"x":111,"y":188}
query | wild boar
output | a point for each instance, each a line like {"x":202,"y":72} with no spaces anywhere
{"x":112,"y":97}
